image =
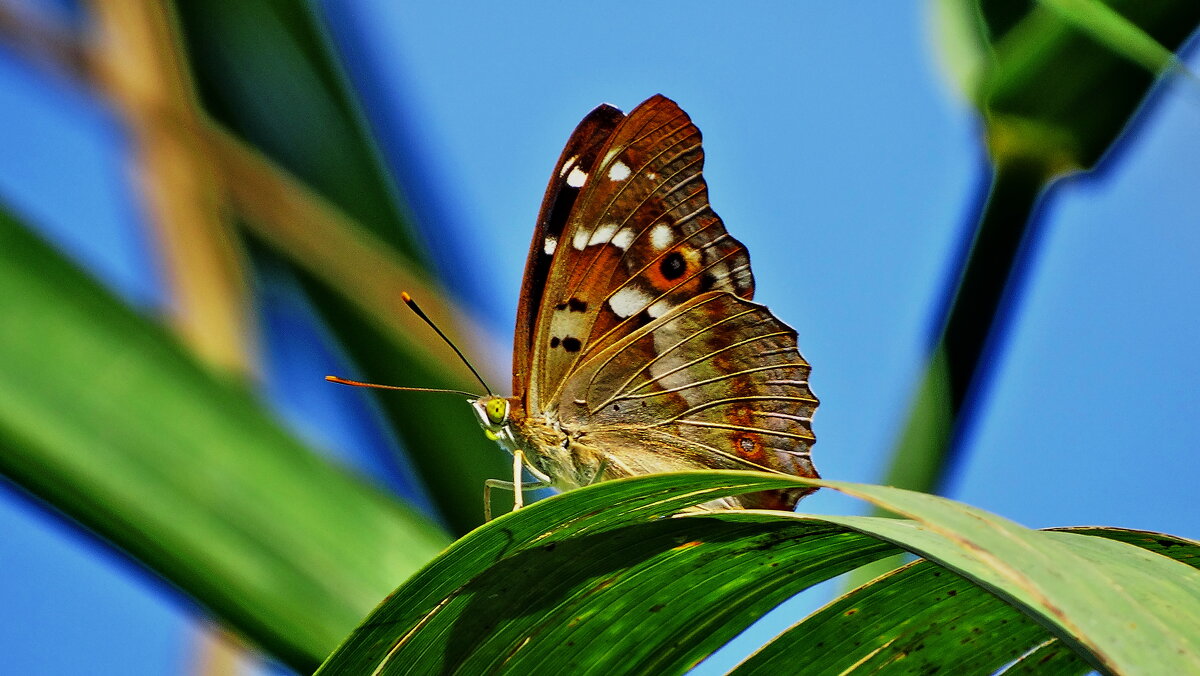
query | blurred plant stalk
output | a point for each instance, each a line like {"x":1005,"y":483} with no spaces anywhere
{"x":275,"y":206}
{"x":146,"y":80}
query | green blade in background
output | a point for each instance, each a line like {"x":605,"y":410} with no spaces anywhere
{"x":266,"y":71}
{"x":596,"y":579}
{"x":1055,"y":90}
{"x":107,"y":418}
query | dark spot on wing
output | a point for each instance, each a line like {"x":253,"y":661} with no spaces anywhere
{"x":564,"y":200}
{"x":560,"y":306}
{"x":554,"y":341}
{"x":576,"y":305}
{"x":571,"y":344}
{"x":673,"y":266}
{"x":707,"y":282}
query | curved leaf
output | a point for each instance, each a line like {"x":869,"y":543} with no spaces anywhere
{"x":922,"y":616}
{"x":913,"y":620}
{"x":597,"y":579}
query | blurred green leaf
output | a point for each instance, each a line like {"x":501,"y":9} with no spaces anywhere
{"x":1056,"y":83}
{"x":110,"y":420}
{"x":265,"y":70}
{"x":597,"y":580}
{"x":1109,"y":27}
{"x":1052,"y":90}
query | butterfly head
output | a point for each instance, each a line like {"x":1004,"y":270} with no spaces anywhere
{"x":493,"y":414}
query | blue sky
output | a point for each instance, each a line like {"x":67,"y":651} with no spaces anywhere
{"x":836,"y":151}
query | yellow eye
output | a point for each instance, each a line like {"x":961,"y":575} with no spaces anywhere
{"x":497,"y":411}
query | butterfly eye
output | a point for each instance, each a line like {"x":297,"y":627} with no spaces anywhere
{"x":497,"y":411}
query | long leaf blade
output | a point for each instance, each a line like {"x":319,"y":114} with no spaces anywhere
{"x":589,"y":576}
{"x":109,"y":419}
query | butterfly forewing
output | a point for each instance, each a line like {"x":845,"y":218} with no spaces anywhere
{"x":577,"y":160}
{"x":640,"y":240}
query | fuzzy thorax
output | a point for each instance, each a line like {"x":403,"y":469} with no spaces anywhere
{"x":547,"y":447}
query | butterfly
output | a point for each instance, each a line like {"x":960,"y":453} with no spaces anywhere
{"x":638,"y":348}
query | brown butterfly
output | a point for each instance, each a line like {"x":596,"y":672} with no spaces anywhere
{"x":638,"y":349}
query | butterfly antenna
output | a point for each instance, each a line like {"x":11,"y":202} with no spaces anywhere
{"x":412,"y":305}
{"x":356,"y":383}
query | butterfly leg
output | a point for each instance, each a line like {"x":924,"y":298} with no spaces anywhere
{"x":517,"y":486}
{"x":542,"y":481}
{"x":508,"y":486}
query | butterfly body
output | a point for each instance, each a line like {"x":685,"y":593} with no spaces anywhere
{"x":561,"y":457}
{"x":638,"y":346}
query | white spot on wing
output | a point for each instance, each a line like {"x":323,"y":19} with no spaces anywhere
{"x":619,"y":171}
{"x":580,"y":239}
{"x":658,"y":309}
{"x":623,"y":238}
{"x":629,"y":301}
{"x":602,"y":234}
{"x":567,"y":166}
{"x":550,"y":245}
{"x":660,"y":236}
{"x":576,"y":178}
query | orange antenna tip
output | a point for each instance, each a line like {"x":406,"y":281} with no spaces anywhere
{"x":357,"y":383}
{"x":405,"y":297}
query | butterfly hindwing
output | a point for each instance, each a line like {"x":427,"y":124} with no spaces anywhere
{"x":641,"y":239}
{"x":716,"y":382}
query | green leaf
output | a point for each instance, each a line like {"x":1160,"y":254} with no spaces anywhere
{"x":922,"y":616}
{"x":110,"y":420}
{"x":597,"y":579}
{"x":919,"y":617}
{"x":1060,"y":80}
{"x":1123,"y":608}
{"x":1050,"y":659}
